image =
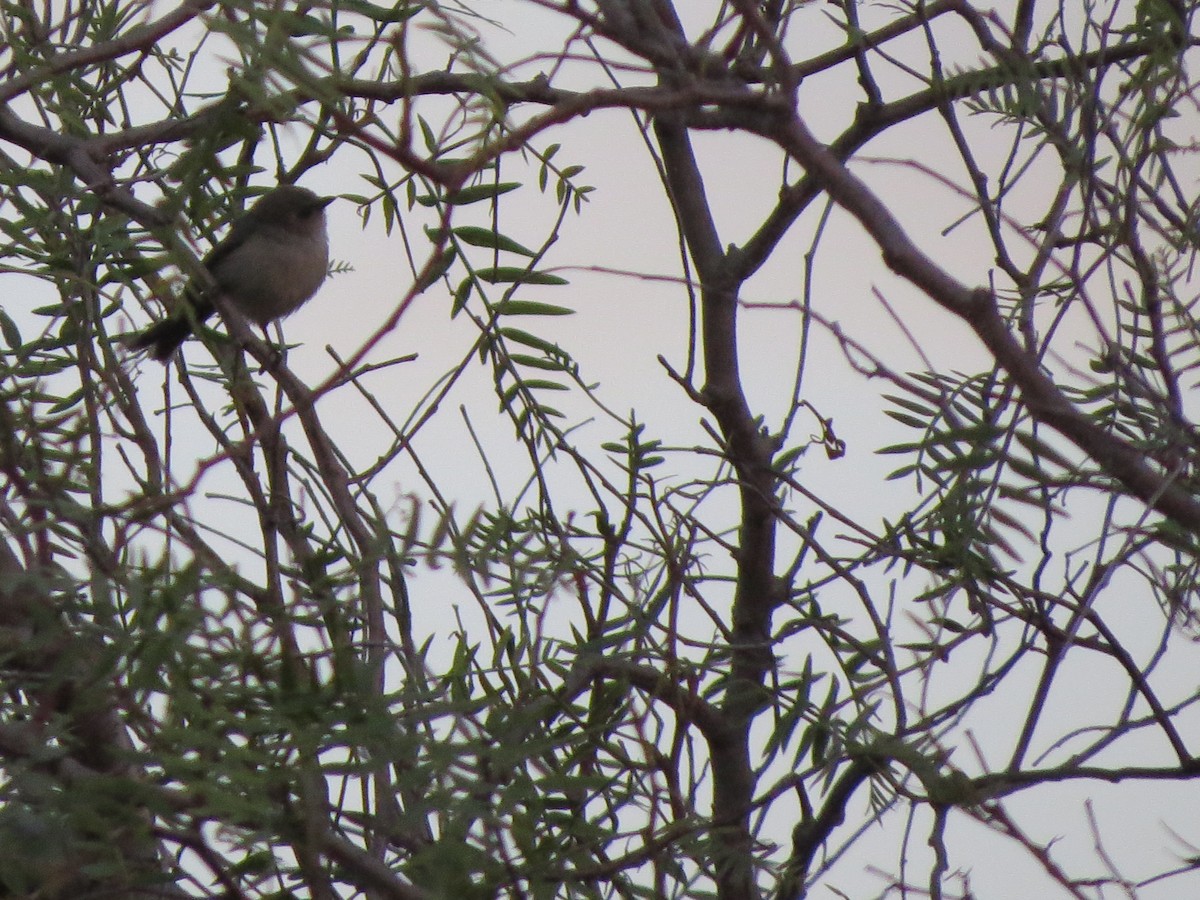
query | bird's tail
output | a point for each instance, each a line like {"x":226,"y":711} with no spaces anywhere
{"x":162,"y":338}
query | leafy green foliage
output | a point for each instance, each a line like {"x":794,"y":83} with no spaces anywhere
{"x":458,"y":628}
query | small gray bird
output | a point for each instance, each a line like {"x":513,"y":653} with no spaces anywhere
{"x":269,"y":265}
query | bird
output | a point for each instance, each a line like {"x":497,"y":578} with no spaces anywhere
{"x":272,"y":261}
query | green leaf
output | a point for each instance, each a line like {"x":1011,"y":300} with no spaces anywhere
{"x":530,"y":308}
{"x":910,"y":421}
{"x":461,"y":294}
{"x":430,"y":144}
{"x":472,"y":194}
{"x":510,"y":394}
{"x":531,"y":340}
{"x":518,"y":275}
{"x":538,"y":362}
{"x":397,"y":12}
{"x":542,"y":384}
{"x":8,"y":328}
{"x":492,"y":240}
{"x":440,"y":268}
{"x":1043,"y":451}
